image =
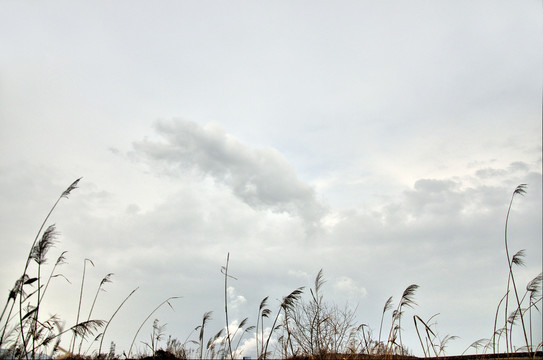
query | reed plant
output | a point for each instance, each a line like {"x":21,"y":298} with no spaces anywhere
{"x":313,"y":328}
{"x":263,"y":312}
{"x":388,"y":306}
{"x":288,"y":304}
{"x":394,"y":342}
{"x":248,"y":329}
{"x":432,"y":339}
{"x":24,"y":334}
{"x":167,"y":301}
{"x":224,"y":271}
{"x":205,"y":319}
{"x":517,"y":316}
{"x":517,"y":260}
{"x":317,"y":328}
{"x":104,"y":280}
{"x":103,"y":334}
{"x":80,"y":300}
{"x":157,"y":335}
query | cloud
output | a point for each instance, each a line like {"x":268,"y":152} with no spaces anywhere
{"x":519,"y":166}
{"x":349,"y":287}
{"x":234,"y":300}
{"x":514,"y":168}
{"x":444,"y":234}
{"x":260,"y":177}
{"x":488,"y":173}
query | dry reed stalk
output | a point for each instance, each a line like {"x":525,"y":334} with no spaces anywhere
{"x":106,"y":279}
{"x":38,"y":254}
{"x":428,"y":332}
{"x":317,"y":299}
{"x":533,"y":287}
{"x":248,"y":329}
{"x":388,"y":306}
{"x":72,"y":347}
{"x":64,"y":194}
{"x":111,"y":318}
{"x":82,"y":329}
{"x":224,"y":270}
{"x":406,"y":300}
{"x":519,"y":190}
{"x":288,"y":302}
{"x":167,"y":301}
{"x":205,"y":319}
{"x":265,"y":312}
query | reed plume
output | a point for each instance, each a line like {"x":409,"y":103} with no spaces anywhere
{"x":205,"y":319}
{"x":288,"y":303}
{"x":64,"y":194}
{"x":519,"y":190}
{"x":407,"y":300}
{"x":388,"y":306}
{"x":262,"y":313}
{"x":167,"y":301}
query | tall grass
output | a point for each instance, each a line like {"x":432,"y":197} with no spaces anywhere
{"x":72,"y":348}
{"x":512,"y":318}
{"x":395,"y":332}
{"x":289,"y":302}
{"x":314,"y":328}
{"x":24,"y":334}
{"x":432,"y":339}
{"x":517,"y":260}
{"x":167,"y":301}
{"x":105,"y":280}
{"x":224,"y":270}
{"x":515,"y":318}
{"x":111,"y":318}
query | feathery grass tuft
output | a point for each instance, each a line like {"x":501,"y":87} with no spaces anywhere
{"x":48,"y":239}
{"x":167,"y":301}
{"x":388,"y":306}
{"x":517,"y":260}
{"x":288,"y":303}
{"x":205,"y":319}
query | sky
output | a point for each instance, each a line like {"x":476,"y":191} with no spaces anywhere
{"x":379,"y":141}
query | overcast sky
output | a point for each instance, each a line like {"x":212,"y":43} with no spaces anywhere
{"x":378,"y":140}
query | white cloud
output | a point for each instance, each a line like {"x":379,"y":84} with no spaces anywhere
{"x":349,"y":287}
{"x":235,"y":301}
{"x":261,"y":177}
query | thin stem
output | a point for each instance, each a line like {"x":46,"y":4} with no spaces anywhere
{"x":521,"y":191}
{"x":72,"y":348}
{"x":65,"y":194}
{"x":387,"y":306}
{"x":111,"y":318}
{"x":496,"y":323}
{"x":102,"y":282}
{"x":147,"y":318}
{"x":226,"y":306}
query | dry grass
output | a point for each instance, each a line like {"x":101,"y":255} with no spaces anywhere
{"x":311,"y":329}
